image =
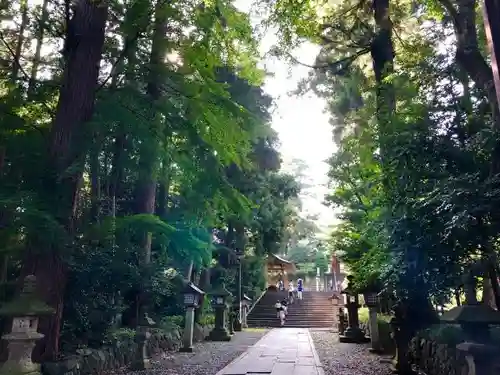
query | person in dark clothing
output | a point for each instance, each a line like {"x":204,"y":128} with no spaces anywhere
{"x":284,"y":304}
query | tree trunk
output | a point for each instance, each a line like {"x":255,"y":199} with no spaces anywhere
{"x":164,"y":188}
{"x":382,"y":52}
{"x":38,"y":49}
{"x":488,"y":297}
{"x":205,"y":286}
{"x":149,"y":159}
{"x":492,"y":275}
{"x":188,"y":274}
{"x":84,"y":43}
{"x":491,"y":10}
{"x":457,"y":297}
{"x":150,"y":148}
{"x":469,"y":56}
{"x":95,"y":183}
{"x":16,"y":66}
{"x":417,"y":304}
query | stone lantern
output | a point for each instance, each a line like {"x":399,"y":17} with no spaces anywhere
{"x":353,"y":334}
{"x":371,"y":301}
{"x":141,"y":360}
{"x":24,"y":311}
{"x":193,"y":297}
{"x":473,"y":317}
{"x":475,"y":320}
{"x":245,"y":306}
{"x":219,"y":302}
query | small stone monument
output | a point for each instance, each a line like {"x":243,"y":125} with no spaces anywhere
{"x":24,"y":311}
{"x":142,"y":335}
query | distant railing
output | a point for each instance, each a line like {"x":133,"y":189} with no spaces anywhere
{"x":256,"y":302}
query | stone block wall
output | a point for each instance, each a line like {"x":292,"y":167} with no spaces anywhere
{"x":117,"y":355}
{"x":435,"y":358}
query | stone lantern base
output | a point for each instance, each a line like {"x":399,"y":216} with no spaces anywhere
{"x":219,"y":334}
{"x":20,"y":345}
{"x":353,"y":335}
{"x":237,"y":326}
{"x":12,"y":368}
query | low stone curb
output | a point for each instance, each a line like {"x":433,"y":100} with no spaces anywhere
{"x":117,"y":355}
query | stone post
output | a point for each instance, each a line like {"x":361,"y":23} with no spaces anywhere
{"x":342,"y":321}
{"x":142,"y":336}
{"x":374,"y":333}
{"x":371,"y":301}
{"x":187,"y":337}
{"x":245,"y":305}
{"x":24,"y":311}
{"x":244,"y":311}
{"x":231,"y":320}
{"x":400,"y":363}
{"x":237,"y":317}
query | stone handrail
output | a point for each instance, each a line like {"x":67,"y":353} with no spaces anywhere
{"x":256,"y":301}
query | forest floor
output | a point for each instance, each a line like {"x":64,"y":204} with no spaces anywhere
{"x":208,"y":357}
{"x":349,"y":359}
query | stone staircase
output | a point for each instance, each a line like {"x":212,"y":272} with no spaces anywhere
{"x":314,"y":311}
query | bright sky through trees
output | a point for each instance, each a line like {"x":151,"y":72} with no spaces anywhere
{"x":302,"y":124}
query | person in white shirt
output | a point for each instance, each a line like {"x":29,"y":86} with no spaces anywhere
{"x":290,"y":292}
{"x":280,"y":311}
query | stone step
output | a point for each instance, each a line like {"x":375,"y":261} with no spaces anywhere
{"x":295,"y":313}
{"x":308,"y":321}
{"x":314,"y":311}
{"x":275,"y":324}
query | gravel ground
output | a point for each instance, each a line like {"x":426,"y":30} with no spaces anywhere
{"x":346,"y":359}
{"x":207,"y":358}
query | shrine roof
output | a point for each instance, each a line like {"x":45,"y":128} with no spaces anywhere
{"x":280,"y":259}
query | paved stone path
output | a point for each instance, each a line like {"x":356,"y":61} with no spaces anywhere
{"x":283,"y":351}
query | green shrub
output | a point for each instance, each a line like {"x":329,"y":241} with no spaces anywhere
{"x":168,"y":323}
{"x":119,"y":334}
{"x":207,"y":319}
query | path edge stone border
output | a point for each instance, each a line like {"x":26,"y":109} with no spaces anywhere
{"x":317,"y":361}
